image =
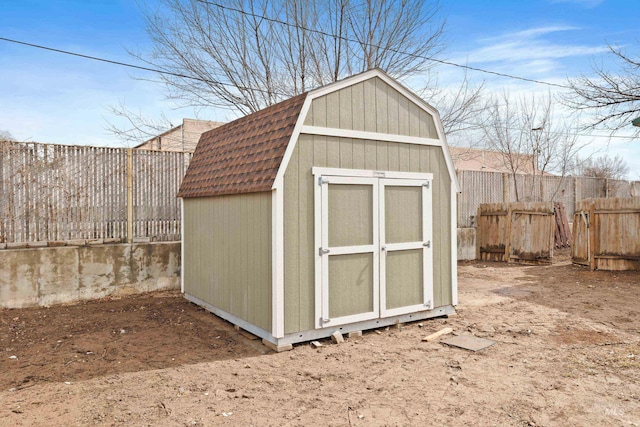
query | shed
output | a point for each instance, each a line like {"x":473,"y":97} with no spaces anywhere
{"x":334,"y":210}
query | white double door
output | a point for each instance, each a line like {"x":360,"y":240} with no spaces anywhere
{"x":374,"y":247}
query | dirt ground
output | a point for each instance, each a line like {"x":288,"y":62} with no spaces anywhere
{"x":567,"y":352}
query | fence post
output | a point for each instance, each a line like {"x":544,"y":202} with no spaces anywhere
{"x":505,"y":188}
{"x":129,"y":195}
{"x":593,"y":235}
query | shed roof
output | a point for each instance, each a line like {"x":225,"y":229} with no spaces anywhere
{"x":250,"y":154}
{"x":242,"y":156}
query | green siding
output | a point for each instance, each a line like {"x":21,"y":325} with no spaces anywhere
{"x":404,"y":278}
{"x":227,"y":254}
{"x":350,"y":215}
{"x":299,"y":242}
{"x":403,"y":214}
{"x":372,"y":106}
{"x":351,"y":284}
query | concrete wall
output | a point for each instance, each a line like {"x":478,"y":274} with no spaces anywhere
{"x":466,"y":244}
{"x":45,"y":276}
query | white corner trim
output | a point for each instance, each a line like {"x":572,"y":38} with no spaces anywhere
{"x":358,"y":134}
{"x":348,"y":81}
{"x":182,"y":245}
{"x":447,"y":154}
{"x":366,"y":173}
{"x":454,"y":247}
{"x":278,"y":182}
{"x":277,"y":263}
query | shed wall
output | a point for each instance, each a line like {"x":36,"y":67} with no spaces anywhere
{"x":227,"y":254}
{"x":371,"y":106}
{"x":321,"y":151}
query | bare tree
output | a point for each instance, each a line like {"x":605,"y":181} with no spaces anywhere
{"x":138,"y":127}
{"x":603,"y":167}
{"x":5,"y":135}
{"x":612,"y":96}
{"x":245,"y":56}
{"x":249,"y":55}
{"x":461,"y":108}
{"x":524,"y":131}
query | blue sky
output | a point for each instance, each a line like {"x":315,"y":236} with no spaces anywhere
{"x":49,"y":97}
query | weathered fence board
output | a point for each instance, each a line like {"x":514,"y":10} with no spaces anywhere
{"x":562,"y":235}
{"x":607,"y":234}
{"x":54,"y":193}
{"x":516,"y":232}
{"x":494,"y":187}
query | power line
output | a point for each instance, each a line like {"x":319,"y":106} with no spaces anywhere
{"x":137,"y":67}
{"x":400,"y":52}
{"x":591,"y":135}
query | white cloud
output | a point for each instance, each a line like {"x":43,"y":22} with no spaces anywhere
{"x":532,"y":51}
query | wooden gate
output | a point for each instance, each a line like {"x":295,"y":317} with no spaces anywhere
{"x":516,"y":232}
{"x":607,"y":234}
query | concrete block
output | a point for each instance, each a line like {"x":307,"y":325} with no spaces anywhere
{"x":466,"y":244}
{"x":57,"y":243}
{"x":277,"y":348}
{"x":37,"y":244}
{"x":53,"y":275}
{"x":57,"y":275}
{"x":95,"y":242}
{"x":337,"y":338}
{"x":18,"y":279}
{"x":77,"y":242}
{"x":354,"y":334}
{"x":102,"y":269}
{"x":16,"y":245}
{"x":3,"y":245}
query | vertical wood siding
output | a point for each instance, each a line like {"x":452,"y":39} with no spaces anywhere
{"x":372,"y":106}
{"x":227,"y":254}
{"x":349,"y":153}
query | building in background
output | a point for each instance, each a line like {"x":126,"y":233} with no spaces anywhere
{"x":477,"y":159}
{"x":183,"y":137}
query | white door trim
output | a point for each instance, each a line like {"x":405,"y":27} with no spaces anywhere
{"x":367,"y":173}
{"x":325,"y":176}
{"x":324,"y":251}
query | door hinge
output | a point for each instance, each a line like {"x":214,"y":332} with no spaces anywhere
{"x":427,"y":184}
{"x":427,"y":244}
{"x":322,"y":180}
{"x":323,"y":251}
{"x":324,"y":320}
{"x":428,"y":304}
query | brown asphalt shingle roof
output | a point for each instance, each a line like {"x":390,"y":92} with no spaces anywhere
{"x":242,"y":156}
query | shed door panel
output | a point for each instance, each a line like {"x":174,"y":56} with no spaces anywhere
{"x":350,"y":253}
{"x":375,"y":255}
{"x":405,"y":243}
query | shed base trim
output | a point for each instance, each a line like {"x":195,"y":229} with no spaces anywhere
{"x":249,"y":327}
{"x":315,"y":334}
{"x":365,"y":325}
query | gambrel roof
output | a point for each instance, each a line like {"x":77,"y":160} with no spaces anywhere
{"x":242,"y":156}
{"x":251,"y":153}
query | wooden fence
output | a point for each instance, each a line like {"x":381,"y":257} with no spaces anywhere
{"x":516,"y":232}
{"x":494,"y":187}
{"x":607,"y":234}
{"x":51,"y":193}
